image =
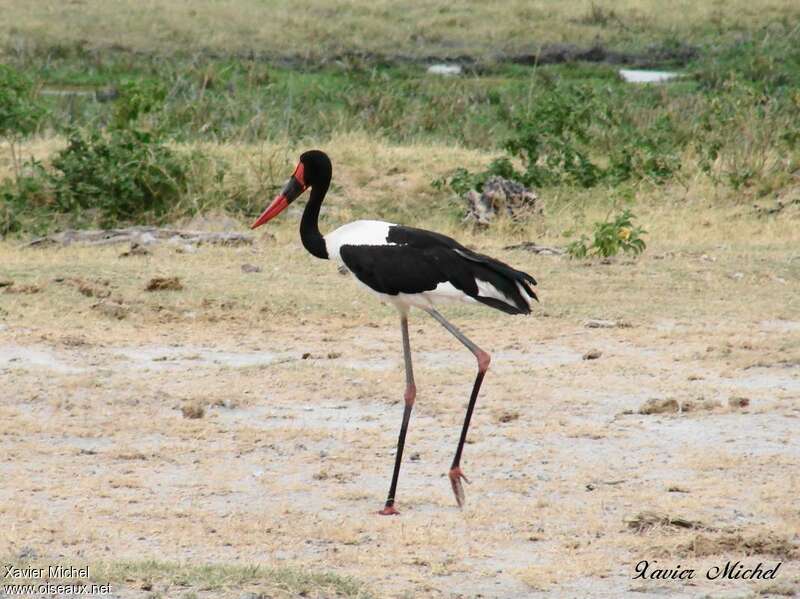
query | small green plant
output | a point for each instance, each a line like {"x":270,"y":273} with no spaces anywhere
{"x":20,"y":110}
{"x":610,"y":237}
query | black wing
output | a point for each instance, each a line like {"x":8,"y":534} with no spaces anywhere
{"x":419,"y":260}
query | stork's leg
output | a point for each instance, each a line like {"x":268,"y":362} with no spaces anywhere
{"x":410,"y":395}
{"x":483,"y":365}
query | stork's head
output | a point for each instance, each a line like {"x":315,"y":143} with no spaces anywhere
{"x":313,"y":170}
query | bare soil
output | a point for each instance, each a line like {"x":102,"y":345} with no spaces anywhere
{"x":251,"y":418}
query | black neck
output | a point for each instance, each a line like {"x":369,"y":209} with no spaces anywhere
{"x":312,"y":239}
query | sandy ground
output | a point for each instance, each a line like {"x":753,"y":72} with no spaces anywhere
{"x":301,"y":384}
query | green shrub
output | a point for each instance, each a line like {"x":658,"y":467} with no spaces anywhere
{"x":20,"y":110}
{"x":124,"y":176}
{"x":137,"y":97}
{"x":553,"y":141}
{"x":741,"y":130}
{"x":579,"y":136}
{"x":24,"y":200}
{"x":610,"y":237}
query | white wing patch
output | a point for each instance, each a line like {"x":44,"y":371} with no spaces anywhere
{"x":446,"y":292}
{"x":360,"y":232}
{"x":486,"y":289}
{"x":443,"y":293}
{"x":528,"y":299}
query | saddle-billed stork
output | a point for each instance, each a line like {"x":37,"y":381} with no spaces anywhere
{"x":407,"y":267}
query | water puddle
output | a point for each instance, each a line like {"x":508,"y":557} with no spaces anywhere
{"x":446,"y":70}
{"x":639,"y":76}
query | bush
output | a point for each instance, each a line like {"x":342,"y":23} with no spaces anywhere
{"x":20,"y":110}
{"x":609,"y":238}
{"x":580,"y":136}
{"x":125,"y":176}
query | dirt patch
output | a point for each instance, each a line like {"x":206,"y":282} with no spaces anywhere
{"x":98,"y":288}
{"x":112,"y":309}
{"x":136,"y":249}
{"x":644,"y":521}
{"x":535,"y":248}
{"x":23,"y":289}
{"x":737,"y":403}
{"x":164,"y":284}
{"x":599,"y":323}
{"x":762,"y":543}
{"x":659,"y":406}
{"x":193,"y":411}
{"x":592,"y":354}
{"x":700,"y":405}
{"x":507,"y":416}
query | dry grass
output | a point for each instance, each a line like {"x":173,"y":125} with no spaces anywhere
{"x":315,"y":28}
{"x":161,"y":579}
{"x":376,"y":178}
{"x":704,"y":259}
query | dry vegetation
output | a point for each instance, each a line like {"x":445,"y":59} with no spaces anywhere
{"x":317,"y":29}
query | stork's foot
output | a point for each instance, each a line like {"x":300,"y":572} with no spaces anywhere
{"x":389,"y":510}
{"x":455,"y":481}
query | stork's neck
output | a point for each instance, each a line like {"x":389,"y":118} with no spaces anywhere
{"x":312,"y":239}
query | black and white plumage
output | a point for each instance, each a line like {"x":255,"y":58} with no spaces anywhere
{"x":407,"y":267}
{"x":413,"y":267}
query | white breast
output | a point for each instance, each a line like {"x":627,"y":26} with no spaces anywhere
{"x":360,"y":232}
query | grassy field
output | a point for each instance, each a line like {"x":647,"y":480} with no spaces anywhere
{"x":317,"y":30}
{"x":298,"y":376}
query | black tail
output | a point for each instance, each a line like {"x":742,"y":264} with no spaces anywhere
{"x":508,"y":281}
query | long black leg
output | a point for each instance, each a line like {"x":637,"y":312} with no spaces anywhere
{"x":483,"y":365}
{"x":410,"y":395}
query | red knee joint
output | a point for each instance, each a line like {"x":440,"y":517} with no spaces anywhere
{"x":411,"y":394}
{"x":484,"y":360}
{"x":456,"y":474}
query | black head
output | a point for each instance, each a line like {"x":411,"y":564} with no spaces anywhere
{"x":313,"y":170}
{"x":317,"y":169}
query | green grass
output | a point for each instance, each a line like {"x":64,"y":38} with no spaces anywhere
{"x":227,"y":99}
